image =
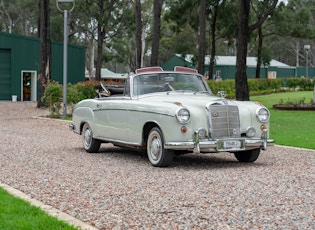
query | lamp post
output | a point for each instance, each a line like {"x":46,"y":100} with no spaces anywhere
{"x":59,"y":3}
{"x":307,"y":50}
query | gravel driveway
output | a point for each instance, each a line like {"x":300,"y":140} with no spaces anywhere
{"x":119,"y":189}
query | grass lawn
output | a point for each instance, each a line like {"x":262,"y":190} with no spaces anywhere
{"x":16,"y":213}
{"x":291,"y":128}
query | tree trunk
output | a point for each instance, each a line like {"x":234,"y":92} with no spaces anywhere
{"x":138,"y":34}
{"x":5,"y":12}
{"x":213,"y":49}
{"x":45,"y":48}
{"x":259,"y":52}
{"x":101,"y":36}
{"x":202,"y":37}
{"x":242,"y":92}
{"x":156,"y":32}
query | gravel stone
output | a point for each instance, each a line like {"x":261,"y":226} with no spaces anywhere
{"x":119,"y":189}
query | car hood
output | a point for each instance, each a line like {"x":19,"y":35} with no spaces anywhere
{"x":173,"y":100}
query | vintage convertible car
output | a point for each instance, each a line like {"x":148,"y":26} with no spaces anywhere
{"x":171,"y":112}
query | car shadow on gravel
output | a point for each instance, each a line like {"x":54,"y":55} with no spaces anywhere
{"x":192,"y":161}
{"x":222,"y":160}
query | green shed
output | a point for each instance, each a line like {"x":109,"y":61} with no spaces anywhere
{"x":225,"y":67}
{"x":19,"y":66}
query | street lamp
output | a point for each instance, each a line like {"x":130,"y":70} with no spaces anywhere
{"x":65,"y":3}
{"x":307,"y":50}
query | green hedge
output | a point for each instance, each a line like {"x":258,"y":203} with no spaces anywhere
{"x":263,"y":86}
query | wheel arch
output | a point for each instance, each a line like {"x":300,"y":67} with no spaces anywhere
{"x":146,"y":130}
{"x":82,"y":125}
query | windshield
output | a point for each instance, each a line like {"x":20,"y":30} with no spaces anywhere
{"x":166,"y":82}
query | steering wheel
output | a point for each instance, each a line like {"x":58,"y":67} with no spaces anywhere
{"x":167,"y":86}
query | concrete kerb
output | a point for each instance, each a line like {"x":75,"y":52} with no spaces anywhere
{"x":48,"y":209}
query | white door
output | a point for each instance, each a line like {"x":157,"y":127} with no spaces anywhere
{"x":28,"y":85}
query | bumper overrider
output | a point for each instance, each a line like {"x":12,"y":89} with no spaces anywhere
{"x":221,"y":145}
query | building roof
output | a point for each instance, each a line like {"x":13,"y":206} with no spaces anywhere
{"x":107,"y":74}
{"x":231,"y":60}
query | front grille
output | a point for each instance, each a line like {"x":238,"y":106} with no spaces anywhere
{"x":224,"y":121}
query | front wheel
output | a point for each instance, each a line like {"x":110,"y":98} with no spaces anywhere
{"x":157,"y":155}
{"x":248,"y":156}
{"x":90,"y":144}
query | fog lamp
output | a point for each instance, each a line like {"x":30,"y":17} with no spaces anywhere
{"x":202,"y":133}
{"x":250,"y":131}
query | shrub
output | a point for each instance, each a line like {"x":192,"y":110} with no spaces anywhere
{"x":53,"y":98}
{"x":85,"y":89}
{"x":72,"y":96}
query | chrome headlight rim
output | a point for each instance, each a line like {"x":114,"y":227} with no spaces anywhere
{"x":183,"y":115}
{"x":263,"y":114}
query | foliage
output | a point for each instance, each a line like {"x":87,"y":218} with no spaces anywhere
{"x":263,"y":86}
{"x":294,"y":101}
{"x":72,"y":96}
{"x":302,"y":83}
{"x":85,"y":90}
{"x":289,"y":24}
{"x":53,"y":98}
{"x":53,"y":95}
{"x":19,"y":214}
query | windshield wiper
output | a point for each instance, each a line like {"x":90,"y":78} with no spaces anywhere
{"x":202,"y":92}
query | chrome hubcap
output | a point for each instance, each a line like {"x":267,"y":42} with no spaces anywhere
{"x":155,"y":148}
{"x":87,"y":137}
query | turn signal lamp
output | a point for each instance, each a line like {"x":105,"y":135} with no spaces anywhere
{"x":263,"y":128}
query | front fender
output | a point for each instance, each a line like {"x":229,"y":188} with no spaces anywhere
{"x":80,"y":116}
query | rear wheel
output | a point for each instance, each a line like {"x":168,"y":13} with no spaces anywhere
{"x":157,"y":155}
{"x":90,"y":144}
{"x":247,"y":156}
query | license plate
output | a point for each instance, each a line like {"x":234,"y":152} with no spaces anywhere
{"x":230,"y":145}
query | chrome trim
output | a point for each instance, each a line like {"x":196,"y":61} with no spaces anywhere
{"x":118,"y":142}
{"x":198,"y":146}
{"x":179,"y":118}
{"x":258,"y":114}
{"x":196,"y":142}
{"x":224,"y":120}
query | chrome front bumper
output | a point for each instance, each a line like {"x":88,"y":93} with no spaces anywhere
{"x":199,"y":146}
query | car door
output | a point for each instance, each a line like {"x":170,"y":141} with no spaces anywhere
{"x":111,"y":119}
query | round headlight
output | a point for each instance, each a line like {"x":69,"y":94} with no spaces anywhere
{"x":263,"y":114}
{"x":183,"y":115}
